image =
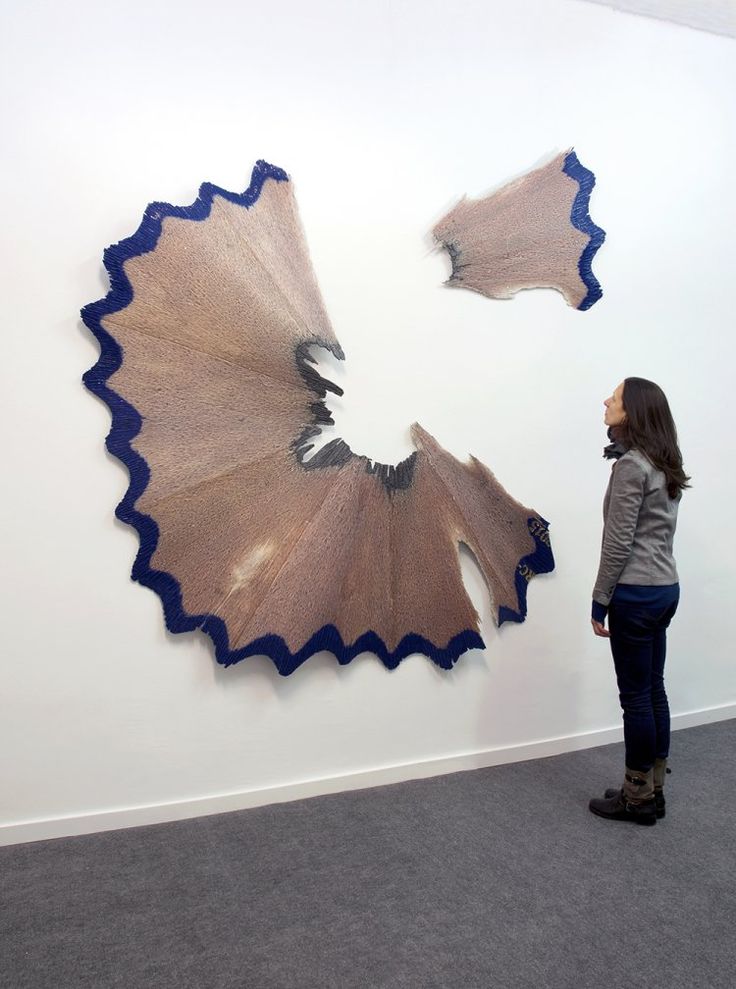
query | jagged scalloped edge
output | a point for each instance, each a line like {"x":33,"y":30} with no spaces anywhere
{"x":126,"y":424}
{"x":581,"y":220}
{"x":541,"y":560}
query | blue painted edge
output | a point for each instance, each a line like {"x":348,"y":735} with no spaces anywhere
{"x":541,"y":560}
{"x":126,"y":424}
{"x":580,"y":218}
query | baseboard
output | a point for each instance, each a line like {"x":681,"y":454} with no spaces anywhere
{"x":179,"y":810}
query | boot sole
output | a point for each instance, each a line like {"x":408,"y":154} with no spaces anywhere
{"x":646,"y":819}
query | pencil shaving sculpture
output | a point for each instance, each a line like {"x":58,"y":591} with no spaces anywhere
{"x":205,"y":365}
{"x":535,"y":232}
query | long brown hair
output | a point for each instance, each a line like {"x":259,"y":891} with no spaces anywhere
{"x":650,"y":428}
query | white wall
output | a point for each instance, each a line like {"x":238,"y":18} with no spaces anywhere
{"x":383,"y":114}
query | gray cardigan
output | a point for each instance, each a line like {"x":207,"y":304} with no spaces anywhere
{"x":639,"y":520}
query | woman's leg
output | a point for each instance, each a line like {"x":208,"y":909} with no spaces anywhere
{"x":633,"y":631}
{"x":660,"y":705}
{"x":638,"y":644}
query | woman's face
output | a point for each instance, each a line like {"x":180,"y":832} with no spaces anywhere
{"x":615,"y":414}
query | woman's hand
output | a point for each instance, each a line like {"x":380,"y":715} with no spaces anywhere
{"x":600,"y":629}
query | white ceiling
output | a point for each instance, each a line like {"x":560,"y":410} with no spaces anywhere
{"x":717,"y":16}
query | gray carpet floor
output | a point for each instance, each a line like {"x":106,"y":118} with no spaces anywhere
{"x":494,"y":878}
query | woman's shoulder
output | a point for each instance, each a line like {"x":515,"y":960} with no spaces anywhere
{"x":636,"y":456}
{"x":636,"y":466}
{"x":633,"y":468}
{"x":634,"y":460}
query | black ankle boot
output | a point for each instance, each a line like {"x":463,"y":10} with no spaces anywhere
{"x":660,"y":769}
{"x":634,"y":802}
{"x":659,"y":800}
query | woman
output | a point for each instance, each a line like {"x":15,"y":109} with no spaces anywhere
{"x":637,"y":587}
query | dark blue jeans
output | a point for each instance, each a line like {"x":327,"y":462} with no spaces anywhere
{"x":639,"y":646}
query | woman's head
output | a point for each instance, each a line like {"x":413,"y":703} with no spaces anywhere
{"x":639,"y":415}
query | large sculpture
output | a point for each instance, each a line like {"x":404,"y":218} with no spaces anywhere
{"x":205,"y":365}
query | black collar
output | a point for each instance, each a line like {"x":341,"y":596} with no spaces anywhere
{"x":615,"y":448}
